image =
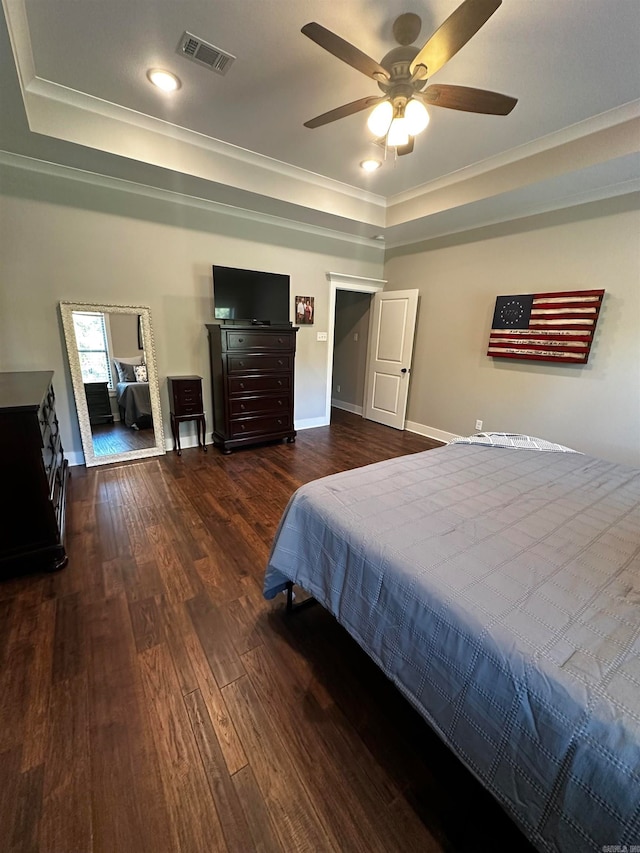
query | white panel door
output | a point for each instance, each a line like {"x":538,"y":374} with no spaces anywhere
{"x":389,"y":365}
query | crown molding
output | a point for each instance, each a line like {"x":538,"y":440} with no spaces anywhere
{"x":435,"y":231}
{"x":352,"y":282}
{"x":580,"y":130}
{"x":63,"y":95}
{"x":56,"y":170}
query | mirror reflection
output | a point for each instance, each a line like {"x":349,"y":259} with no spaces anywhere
{"x":112,"y":363}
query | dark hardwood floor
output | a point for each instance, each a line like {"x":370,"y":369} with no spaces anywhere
{"x":118,"y":438}
{"x":151,"y":700}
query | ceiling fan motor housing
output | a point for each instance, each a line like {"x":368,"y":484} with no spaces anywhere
{"x":400,"y":88}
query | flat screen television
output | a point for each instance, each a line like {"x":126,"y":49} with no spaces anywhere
{"x":250,"y":296}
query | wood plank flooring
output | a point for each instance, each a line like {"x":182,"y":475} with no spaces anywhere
{"x":151,"y":700}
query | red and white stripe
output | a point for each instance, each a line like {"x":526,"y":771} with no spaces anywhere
{"x":561,"y":328}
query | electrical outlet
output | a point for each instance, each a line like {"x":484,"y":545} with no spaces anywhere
{"x":338,"y":388}
{"x":478,"y":424}
{"x":355,"y":336}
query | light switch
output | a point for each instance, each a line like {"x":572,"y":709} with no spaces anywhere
{"x":322,"y":336}
{"x":355,"y":336}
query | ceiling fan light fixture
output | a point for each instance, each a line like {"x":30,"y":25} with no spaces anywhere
{"x":380,"y":119}
{"x":164,"y":80}
{"x":416,"y":117}
{"x":398,"y":133}
{"x":370,"y":165}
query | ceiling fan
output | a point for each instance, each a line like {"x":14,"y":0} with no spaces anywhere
{"x":400,"y":114}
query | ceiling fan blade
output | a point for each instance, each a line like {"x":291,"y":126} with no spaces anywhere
{"x":468,"y":99}
{"x":345,"y":51}
{"x":405,"y":149}
{"x":343,"y":111}
{"x":452,"y":35}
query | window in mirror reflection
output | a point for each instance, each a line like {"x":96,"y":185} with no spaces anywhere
{"x":93,"y":347}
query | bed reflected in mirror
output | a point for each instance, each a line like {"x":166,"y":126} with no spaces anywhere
{"x":112,"y":361}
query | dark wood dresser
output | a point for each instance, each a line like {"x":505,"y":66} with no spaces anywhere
{"x":98,"y":403}
{"x":34,"y":474}
{"x":185,"y":403}
{"x":252,"y":372}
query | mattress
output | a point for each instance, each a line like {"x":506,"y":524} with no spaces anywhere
{"x":499,"y":589}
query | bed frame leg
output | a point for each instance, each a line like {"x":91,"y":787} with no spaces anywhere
{"x":291,"y":607}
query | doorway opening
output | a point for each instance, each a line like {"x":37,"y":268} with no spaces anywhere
{"x":340,"y":283}
{"x":350,"y":343}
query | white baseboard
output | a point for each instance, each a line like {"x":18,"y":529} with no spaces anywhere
{"x":74,"y":457}
{"x":430,"y":432}
{"x":186,"y":442}
{"x":311,"y":423}
{"x":347,"y":407}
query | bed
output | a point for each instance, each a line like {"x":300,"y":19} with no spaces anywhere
{"x":499,"y":588}
{"x":134,"y":403}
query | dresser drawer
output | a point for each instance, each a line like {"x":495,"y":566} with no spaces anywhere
{"x":194,"y":408}
{"x":265,"y":425}
{"x":251,"y":384}
{"x":260,"y":340}
{"x":187,"y":391}
{"x":259,"y":363}
{"x":260,"y":403}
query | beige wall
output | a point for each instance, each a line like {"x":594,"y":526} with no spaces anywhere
{"x":349,"y":355}
{"x":594,"y":408}
{"x":62,"y":239}
{"x":124,"y":335}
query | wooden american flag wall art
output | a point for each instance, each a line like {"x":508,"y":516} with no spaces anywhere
{"x":545,"y":326}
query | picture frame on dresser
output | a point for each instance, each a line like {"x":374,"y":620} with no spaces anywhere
{"x":145,"y":442}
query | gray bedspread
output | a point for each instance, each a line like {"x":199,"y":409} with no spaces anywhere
{"x":500,"y":590}
{"x":135,"y":400}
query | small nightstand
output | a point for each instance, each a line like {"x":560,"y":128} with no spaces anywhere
{"x":98,"y":402}
{"x":185,"y":401}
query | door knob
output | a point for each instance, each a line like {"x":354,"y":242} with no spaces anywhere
{"x":404,"y":370}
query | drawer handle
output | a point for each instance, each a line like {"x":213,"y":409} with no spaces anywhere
{"x":280,"y":421}
{"x":279,"y":381}
{"x":242,"y":384}
{"x":242,"y":406}
{"x":241,"y":363}
{"x":279,"y":402}
{"x":280,"y":361}
{"x":242,"y":427}
{"x":280,"y":341}
{"x":240,"y":340}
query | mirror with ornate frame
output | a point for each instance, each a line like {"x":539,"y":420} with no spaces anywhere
{"x":117,"y":399}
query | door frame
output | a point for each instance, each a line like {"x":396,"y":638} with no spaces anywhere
{"x":341,"y":281}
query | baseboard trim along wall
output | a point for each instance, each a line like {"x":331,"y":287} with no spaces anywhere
{"x":430,"y":432}
{"x":347,"y":407}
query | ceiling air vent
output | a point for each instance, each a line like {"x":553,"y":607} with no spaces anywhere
{"x":205,"y":54}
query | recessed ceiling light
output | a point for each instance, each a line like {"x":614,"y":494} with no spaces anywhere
{"x":370,"y":165}
{"x":164,"y":80}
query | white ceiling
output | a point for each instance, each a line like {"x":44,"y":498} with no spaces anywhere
{"x":574,"y":66}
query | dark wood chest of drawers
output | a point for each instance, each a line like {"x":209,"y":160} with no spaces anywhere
{"x":252,"y":372}
{"x":34,"y":474}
